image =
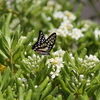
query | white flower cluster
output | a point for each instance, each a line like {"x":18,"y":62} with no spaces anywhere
{"x":66,"y":15}
{"x":59,"y":53}
{"x":76,"y":34}
{"x":57,"y":63}
{"x":66,"y":28}
{"x":86,"y":24}
{"x":33,"y":61}
{"x":97,"y":33}
{"x":87,"y":63}
{"x":51,"y":4}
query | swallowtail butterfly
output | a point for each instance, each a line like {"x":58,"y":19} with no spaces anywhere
{"x":43,"y":46}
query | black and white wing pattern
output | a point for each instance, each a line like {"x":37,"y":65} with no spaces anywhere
{"x":43,"y":46}
{"x":40,"y":40}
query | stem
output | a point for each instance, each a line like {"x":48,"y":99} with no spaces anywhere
{"x":11,"y":61}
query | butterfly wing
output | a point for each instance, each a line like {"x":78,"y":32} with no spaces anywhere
{"x":47,"y":45}
{"x":40,"y":40}
{"x":50,"y":41}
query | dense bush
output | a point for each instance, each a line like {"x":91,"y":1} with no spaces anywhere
{"x":71,"y":72}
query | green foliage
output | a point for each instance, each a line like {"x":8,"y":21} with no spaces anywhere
{"x":71,"y":72}
{"x":13,"y":43}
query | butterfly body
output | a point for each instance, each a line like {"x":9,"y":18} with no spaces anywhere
{"x":43,"y":46}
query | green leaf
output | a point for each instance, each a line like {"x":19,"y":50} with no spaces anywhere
{"x":3,"y":54}
{"x":8,"y":19}
{"x":31,"y":85}
{"x":71,"y":97}
{"x":98,"y":94}
{"x":59,"y":97}
{"x":28,"y":95}
{"x":29,"y":38}
{"x":6,"y":31}
{"x":83,"y":97}
{"x":64,"y":86}
{"x":10,"y":93}
{"x":35,"y":96}
{"x":49,"y":97}
{"x":96,"y":68}
{"x":43,"y":84}
{"x":24,"y":67}
{"x":54,"y":91}
{"x":82,"y":86}
{"x":46,"y":91}
{"x":5,"y":78}
{"x":21,"y":94}
{"x":83,"y":53}
{"x":1,"y":96}
{"x":92,"y":89}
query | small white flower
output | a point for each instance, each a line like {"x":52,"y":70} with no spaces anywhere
{"x":25,"y":53}
{"x":96,"y":33}
{"x":57,"y":61}
{"x":32,"y":65}
{"x":79,"y":83}
{"x":54,"y":73}
{"x":35,"y":86}
{"x":70,"y":15}
{"x":80,"y":59}
{"x":59,"y":66}
{"x":58,"y":15}
{"x":34,"y":55}
{"x":85,"y":27}
{"x":92,"y":58}
{"x":58,"y":6}
{"x":85,"y":24}
{"x":22,"y":79}
{"x":92,"y":74}
{"x":38,"y":2}
{"x":62,"y":31}
{"x":51,"y":3}
{"x":71,"y":55}
{"x":87,"y":84}
{"x":81,"y":77}
{"x":48,"y":8}
{"x":35,"y":39}
{"x":76,"y":34}
{"x":88,"y":80}
{"x":91,"y":66}
{"x":59,"y":53}
{"x":74,"y":79}
{"x":24,"y":60}
{"x":19,"y":78}
{"x":67,"y":24}
{"x":30,"y":58}
{"x":48,"y":18}
{"x":23,"y":37}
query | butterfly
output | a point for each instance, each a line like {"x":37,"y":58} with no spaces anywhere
{"x":43,"y":46}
